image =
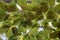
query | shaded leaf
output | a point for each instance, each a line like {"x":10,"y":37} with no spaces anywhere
{"x":58,"y":1}
{"x":57,"y":9}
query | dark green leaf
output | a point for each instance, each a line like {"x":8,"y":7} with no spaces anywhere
{"x":57,"y":9}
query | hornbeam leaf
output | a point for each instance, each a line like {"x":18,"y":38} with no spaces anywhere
{"x":2,"y":11}
{"x":11,"y":8}
{"x":7,"y":22}
{"x":22,"y":29}
{"x":27,"y":7}
{"x":22,"y":2}
{"x":56,"y":24}
{"x":44,"y":6}
{"x":21,"y":37}
{"x":35,"y":2}
{"x":46,"y":26}
{"x":29,"y":15}
{"x":55,"y":34}
{"x":32,"y":38}
{"x":26,"y":23}
{"x":2,"y":30}
{"x":27,"y":37}
{"x":51,"y":15}
{"x":6,"y":17}
{"x":33,"y":31}
{"x":43,"y":35}
{"x":2,"y":6}
{"x":51,"y":2}
{"x":2,"y":16}
{"x":14,"y":16}
{"x":9,"y":33}
{"x":57,"y":9}
{"x":12,"y":38}
{"x":58,"y":1}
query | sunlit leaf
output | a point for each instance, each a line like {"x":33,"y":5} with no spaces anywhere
{"x":9,"y":33}
{"x":30,"y":19}
{"x":33,"y":31}
{"x":22,"y":2}
{"x":21,"y":29}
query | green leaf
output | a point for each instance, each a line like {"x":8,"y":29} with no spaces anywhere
{"x":2,"y":6}
{"x":46,"y":26}
{"x":7,"y":22}
{"x":33,"y":31}
{"x":58,"y":1}
{"x":14,"y":16}
{"x":12,"y":38}
{"x":32,"y":38}
{"x":26,"y":23}
{"x":28,"y":6}
{"x":26,"y":20}
{"x":27,"y":37}
{"x":21,"y":28}
{"x":55,"y":34}
{"x":9,"y":33}
{"x":2,"y":11}
{"x":22,"y":2}
{"x":51,"y":15}
{"x":57,"y":9}
{"x":51,"y":2}
{"x":35,"y":2}
{"x":29,"y":15}
{"x":43,"y":35}
{"x":56,"y":24}
{"x":11,"y":8}
{"x":2,"y":15}
{"x":44,"y":6}
{"x":2,"y":30}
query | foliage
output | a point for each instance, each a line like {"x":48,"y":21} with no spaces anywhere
{"x":23,"y":24}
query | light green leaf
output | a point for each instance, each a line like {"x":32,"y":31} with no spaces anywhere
{"x":9,"y":33}
{"x":22,"y":2}
{"x":33,"y":31}
{"x":21,"y":28}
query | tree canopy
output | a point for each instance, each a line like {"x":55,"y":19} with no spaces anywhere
{"x":30,"y":19}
